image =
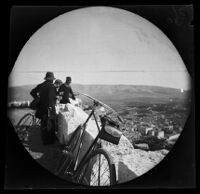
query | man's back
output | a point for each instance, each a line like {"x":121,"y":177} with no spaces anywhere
{"x":47,"y":93}
{"x":65,"y":91}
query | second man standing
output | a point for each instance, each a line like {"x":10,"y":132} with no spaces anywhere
{"x":65,"y":91}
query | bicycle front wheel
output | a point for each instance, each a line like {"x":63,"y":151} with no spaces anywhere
{"x":98,"y":170}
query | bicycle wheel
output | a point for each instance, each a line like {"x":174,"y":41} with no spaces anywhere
{"x":66,"y":162}
{"x":64,"y":169}
{"x":24,"y":124}
{"x":98,"y":170}
{"x":37,"y":122}
{"x":71,"y":145}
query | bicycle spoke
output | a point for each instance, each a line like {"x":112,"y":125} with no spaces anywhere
{"x":99,"y":169}
{"x":32,"y":122}
{"x":104,"y":172}
{"x":94,"y":183}
{"x":106,"y":181}
{"x":26,"y":119}
{"x":100,"y":172}
{"x":101,"y":184}
{"x":95,"y":174}
{"x":104,"y":176}
{"x":82,"y":178}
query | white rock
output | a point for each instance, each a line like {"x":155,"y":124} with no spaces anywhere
{"x":142,"y":146}
{"x":174,"y":137}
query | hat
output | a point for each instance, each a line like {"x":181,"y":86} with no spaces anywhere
{"x":58,"y":81}
{"x":68,"y":79}
{"x":49,"y":76}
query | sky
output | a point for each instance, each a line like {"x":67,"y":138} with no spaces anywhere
{"x":101,"y":45}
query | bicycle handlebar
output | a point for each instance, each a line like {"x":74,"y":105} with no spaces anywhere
{"x":97,"y":102}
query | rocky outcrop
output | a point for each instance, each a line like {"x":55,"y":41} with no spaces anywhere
{"x":129,"y":162}
{"x":174,"y":137}
{"x":19,"y":104}
{"x":142,"y":146}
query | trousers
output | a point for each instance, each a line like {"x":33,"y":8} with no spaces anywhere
{"x":47,"y":129}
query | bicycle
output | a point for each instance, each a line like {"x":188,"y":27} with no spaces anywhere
{"x":26,"y":123}
{"x":96,"y":168}
{"x":29,"y":121}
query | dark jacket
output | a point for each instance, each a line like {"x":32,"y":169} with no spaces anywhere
{"x":46,"y":92}
{"x":65,"y":91}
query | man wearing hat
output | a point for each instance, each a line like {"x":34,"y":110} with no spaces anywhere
{"x":65,"y":91}
{"x":57,"y":85}
{"x":46,"y":93}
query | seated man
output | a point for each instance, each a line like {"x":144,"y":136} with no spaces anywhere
{"x":65,"y":91}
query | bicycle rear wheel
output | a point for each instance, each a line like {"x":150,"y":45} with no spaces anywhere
{"x":72,"y":144}
{"x":66,"y":161}
{"x":98,"y":170}
{"x":64,"y":168}
{"x":24,"y":125}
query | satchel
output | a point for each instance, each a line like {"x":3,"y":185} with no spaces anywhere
{"x":110,"y":134}
{"x":34,"y":103}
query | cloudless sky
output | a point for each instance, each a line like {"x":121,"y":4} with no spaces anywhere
{"x":101,"y":45}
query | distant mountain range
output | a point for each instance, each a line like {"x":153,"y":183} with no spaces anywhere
{"x":115,"y":95}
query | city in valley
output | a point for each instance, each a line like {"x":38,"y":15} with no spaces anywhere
{"x":160,"y":123}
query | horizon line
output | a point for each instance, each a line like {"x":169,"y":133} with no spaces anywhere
{"x":188,"y":89}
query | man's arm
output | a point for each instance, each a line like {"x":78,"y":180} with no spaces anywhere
{"x":73,"y":97}
{"x":61,"y":92}
{"x":34,"y":92}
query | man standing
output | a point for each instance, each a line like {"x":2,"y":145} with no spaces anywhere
{"x":46,"y":92}
{"x":65,"y":91}
{"x":57,"y":85}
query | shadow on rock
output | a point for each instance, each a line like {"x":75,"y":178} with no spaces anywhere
{"x":50,"y":158}
{"x":34,"y":141}
{"x":48,"y":155}
{"x":124,"y":173}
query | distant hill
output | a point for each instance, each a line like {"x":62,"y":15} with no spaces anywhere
{"x":114,"y":95}
{"x":20,"y":93}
